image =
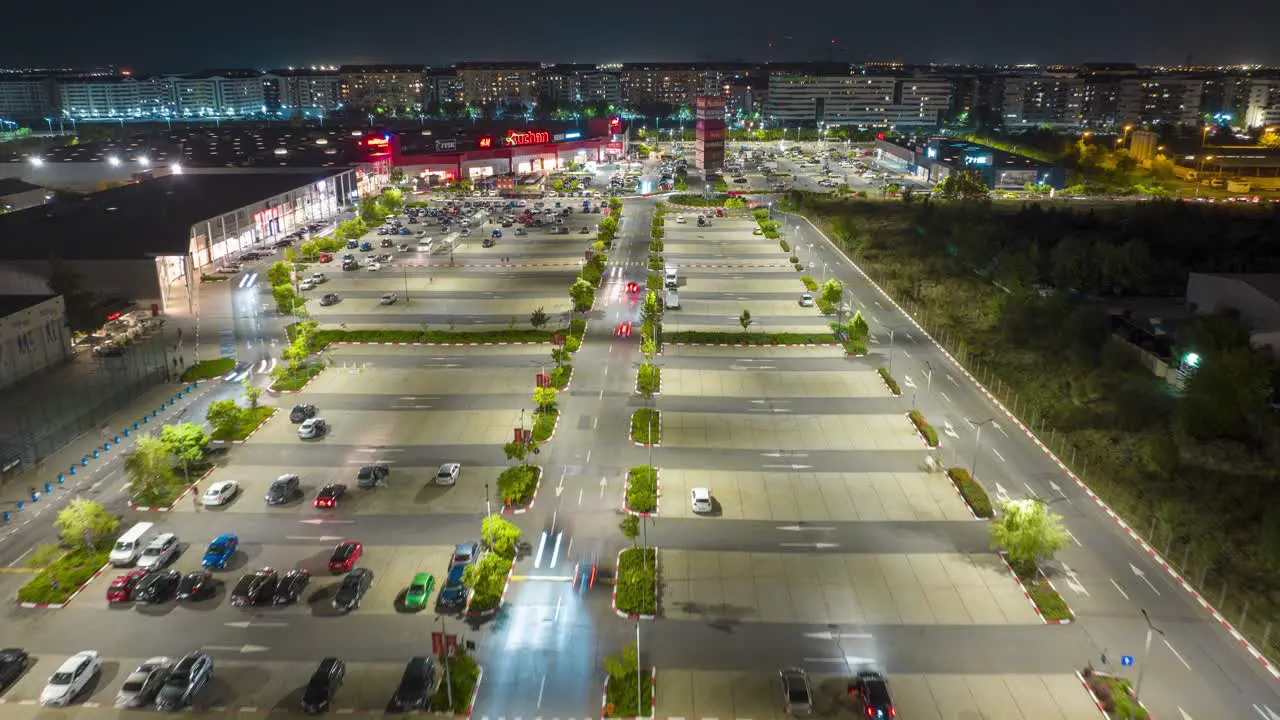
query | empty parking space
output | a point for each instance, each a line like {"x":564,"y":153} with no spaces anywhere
{"x":692,"y":248}
{"x":921,"y":589}
{"x":705,"y":281}
{"x":753,"y":354}
{"x":706,"y":694}
{"x":752,"y":383}
{"x":383,"y":429}
{"x":794,"y":432}
{"x":731,"y":309}
{"x":503,"y":309}
{"x":814,"y":497}
{"x":429,"y":379}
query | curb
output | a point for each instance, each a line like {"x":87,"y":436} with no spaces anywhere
{"x":172,"y":505}
{"x":613,"y":603}
{"x":653,"y":699}
{"x":655,"y":392}
{"x":251,"y":434}
{"x":657,"y":502}
{"x":74,"y":595}
{"x":471,"y":706}
{"x":648,"y":445}
{"x":554,"y":428}
{"x":886,"y":385}
{"x":1089,"y":689}
{"x":568,"y":382}
{"x":1035,"y":607}
{"x":509,"y":510}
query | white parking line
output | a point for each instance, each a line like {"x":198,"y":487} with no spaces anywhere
{"x":997,"y":452}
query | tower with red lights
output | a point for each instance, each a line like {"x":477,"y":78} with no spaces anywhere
{"x":709,"y":133}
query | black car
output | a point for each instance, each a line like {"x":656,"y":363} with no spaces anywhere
{"x":416,"y":685}
{"x":157,"y":586}
{"x":186,"y":680}
{"x":302,"y":412}
{"x":196,"y":585}
{"x":387,"y":242}
{"x":323,"y":685}
{"x":283,"y":489}
{"x":488,"y":242}
{"x":13,"y":662}
{"x":353,"y":587}
{"x":332,"y":298}
{"x":290,"y":587}
{"x":871,"y":691}
{"x":253,"y":589}
{"x":329,"y":495}
{"x":372,"y":475}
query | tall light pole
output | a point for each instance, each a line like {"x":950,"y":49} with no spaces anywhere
{"x":977,"y":440}
{"x":448,"y":682}
{"x":1146,"y":654}
{"x":639,"y":689}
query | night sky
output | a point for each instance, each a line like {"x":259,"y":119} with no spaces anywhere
{"x":154,"y":36}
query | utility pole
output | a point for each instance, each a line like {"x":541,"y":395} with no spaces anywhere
{"x":1146,"y":654}
{"x":448,"y":682}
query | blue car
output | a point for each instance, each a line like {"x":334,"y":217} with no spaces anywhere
{"x":366,"y":246}
{"x":454,"y":593}
{"x":220,"y":551}
{"x":352,"y":244}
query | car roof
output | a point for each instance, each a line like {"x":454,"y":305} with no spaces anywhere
{"x":224,"y":537}
{"x":162,"y":538}
{"x":73,"y":662}
{"x":702,"y":493}
{"x":221,"y":484}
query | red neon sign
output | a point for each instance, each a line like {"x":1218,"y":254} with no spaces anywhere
{"x":528,"y":137}
{"x":377,"y":142}
{"x":113,"y":316}
{"x":615,"y":122}
{"x":486,"y":142}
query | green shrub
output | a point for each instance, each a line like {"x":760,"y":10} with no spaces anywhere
{"x":809,"y":283}
{"x":295,"y":379}
{"x":544,"y":424}
{"x":649,"y":379}
{"x":560,"y":376}
{"x":621,"y":694}
{"x":642,"y":421}
{"x":930,"y":435}
{"x":69,"y":572}
{"x":463,"y":675}
{"x":741,"y":338}
{"x":209,"y":369}
{"x":1051,"y":604}
{"x":572,"y":344}
{"x":889,"y":381}
{"x":824,"y":307}
{"x":517,"y":484}
{"x":642,"y":489}
{"x":253,"y":417}
{"x":793,"y":259}
{"x":972,"y":492}
{"x":799,"y":267}
{"x":771,"y":234}
{"x":637,"y":581}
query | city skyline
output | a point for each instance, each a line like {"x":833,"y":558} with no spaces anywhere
{"x":145,"y":41}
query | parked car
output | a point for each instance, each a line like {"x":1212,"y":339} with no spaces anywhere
{"x":417,"y":685}
{"x":323,"y":685}
{"x":157,"y":586}
{"x":345,"y":555}
{"x":70,"y":679}
{"x":448,"y":474}
{"x":121,"y":588}
{"x":220,"y":493}
{"x":301,"y":412}
{"x":185,"y":681}
{"x":352,"y":589}
{"x":331,"y":298}
{"x":700,"y":500}
{"x":806,"y":300}
{"x":415,"y":598}
{"x":313,"y":428}
{"x":797,"y":695}
{"x":290,"y":586}
{"x":870,"y":691}
{"x":255,"y":588}
{"x":159,"y":552}
{"x":197,"y":585}
{"x":388,"y":299}
{"x":370,"y":476}
{"x":329,"y":495}
{"x":144,"y":683}
{"x":283,"y":489}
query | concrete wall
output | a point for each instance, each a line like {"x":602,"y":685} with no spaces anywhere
{"x":33,"y":339}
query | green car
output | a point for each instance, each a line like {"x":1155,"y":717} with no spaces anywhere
{"x":419,"y":590}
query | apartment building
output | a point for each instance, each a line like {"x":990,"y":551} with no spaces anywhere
{"x":857,"y":100}
{"x":389,"y":89}
{"x":1160,"y":100}
{"x":302,"y":91}
{"x":109,"y":97}
{"x":223,"y":93}
{"x":667,"y":83}
{"x":1262,"y":108}
{"x":601,"y":86}
{"x":1051,"y":101}
{"x":27,"y":97}
{"x":503,"y":83}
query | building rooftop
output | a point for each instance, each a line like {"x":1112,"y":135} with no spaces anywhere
{"x":13,"y":186}
{"x":227,"y":146}
{"x":10,"y":304}
{"x":1266,"y":283}
{"x":138,"y":220}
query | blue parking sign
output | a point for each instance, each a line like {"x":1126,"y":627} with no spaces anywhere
{"x":1126,"y":660}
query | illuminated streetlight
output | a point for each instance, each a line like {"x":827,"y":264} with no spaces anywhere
{"x":113,"y":161}
{"x":37,"y":161}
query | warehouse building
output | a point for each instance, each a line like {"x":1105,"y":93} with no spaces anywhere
{"x":933,"y":159}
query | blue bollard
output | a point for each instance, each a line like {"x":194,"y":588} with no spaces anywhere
{"x":48,"y":488}
{"x":84,"y":460}
{"x":60,"y":480}
{"x":172,"y":402}
{"x":195,"y":385}
{"x":116,"y":439}
{"x":179,"y":396}
{"x":6,"y":516}
{"x":106,"y":446}
{"x":72,"y":470}
{"x":126,"y":432}
{"x":135,"y":426}
{"x":144,"y":419}
{"x":35,"y":498}
{"x":21,"y":504}
{"x":154,"y":413}
{"x":95,"y":454}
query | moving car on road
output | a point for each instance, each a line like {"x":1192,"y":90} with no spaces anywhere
{"x":144,"y":683}
{"x":700,"y":500}
{"x":330,"y":298}
{"x":329,"y":495}
{"x":70,"y":679}
{"x":284,"y":488}
{"x":388,"y":299}
{"x":370,"y":476}
{"x":806,"y":300}
{"x":448,"y":474}
{"x":797,"y":695}
{"x":302,"y":412}
{"x":870,"y":691}
{"x":313,"y":428}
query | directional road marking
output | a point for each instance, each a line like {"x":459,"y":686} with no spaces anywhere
{"x":828,"y":635}
{"x":798,"y":528}
{"x":814,"y":545}
{"x":1143,"y":577}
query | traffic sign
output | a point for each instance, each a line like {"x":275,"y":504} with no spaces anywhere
{"x":437,"y":643}
{"x":1126,"y":660}
{"x":557,"y":339}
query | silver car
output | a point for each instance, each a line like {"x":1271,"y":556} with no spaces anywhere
{"x":142,"y":685}
{"x":159,"y":552}
{"x":448,"y":474}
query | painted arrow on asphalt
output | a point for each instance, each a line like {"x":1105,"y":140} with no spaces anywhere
{"x":798,"y":528}
{"x":560,"y":486}
{"x":788,"y":467}
{"x":828,"y":635}
{"x":782,"y":454}
{"x":1002,"y":495}
{"x":1057,"y":488}
{"x":322,"y":521}
{"x":243,"y":649}
{"x":244,"y":624}
{"x":814,"y":545}
{"x":1143,"y":577}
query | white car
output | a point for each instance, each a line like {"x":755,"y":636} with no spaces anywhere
{"x":307,"y":284}
{"x":142,"y":685}
{"x":159,"y":552}
{"x":318,"y":278}
{"x":374,"y":267}
{"x":806,"y":300}
{"x":312,"y":428}
{"x":448,"y":474}
{"x":70,"y":678}
{"x":700,"y":500}
{"x":220,"y":493}
{"x":388,"y":299}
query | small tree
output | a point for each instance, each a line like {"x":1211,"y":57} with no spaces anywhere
{"x":187,"y":441}
{"x":832,"y":292}
{"x":499,"y":535}
{"x":149,"y":468}
{"x":519,"y":452}
{"x":85,"y":522}
{"x":287,"y":299}
{"x":545,"y":397}
{"x":251,"y":393}
{"x":225,"y":416}
{"x":582,"y":294}
{"x":278,"y":274}
{"x":745,"y":320}
{"x":538,"y":318}
{"x":630,"y":527}
{"x":1028,"y":533}
{"x":648,"y":348}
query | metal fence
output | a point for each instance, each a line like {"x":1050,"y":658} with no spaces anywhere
{"x":75,"y":398}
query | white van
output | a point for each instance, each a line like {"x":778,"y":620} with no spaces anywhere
{"x":129,"y":546}
{"x":671,"y":280}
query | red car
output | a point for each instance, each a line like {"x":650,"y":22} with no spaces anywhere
{"x":624,"y":329}
{"x":122,"y":587}
{"x":326,"y":258}
{"x":345,"y":556}
{"x":633,"y":287}
{"x":329,"y":495}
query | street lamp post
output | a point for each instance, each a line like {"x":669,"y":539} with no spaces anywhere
{"x":448,"y":682}
{"x":1199,"y":171}
{"x":638,"y":683}
{"x":977,"y":440}
{"x":1146,"y":654}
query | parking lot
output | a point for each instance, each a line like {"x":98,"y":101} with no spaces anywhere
{"x":866,"y":589}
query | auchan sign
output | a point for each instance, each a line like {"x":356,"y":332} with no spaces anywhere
{"x":528,"y":137}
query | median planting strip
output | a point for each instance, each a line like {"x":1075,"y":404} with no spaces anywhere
{"x":158,"y":505}
{"x":1043,"y":596}
{"x":255,"y":418}
{"x":646,"y":428}
{"x":1113,"y":695}
{"x":642,"y":491}
{"x":889,"y":382}
{"x":635,"y":586}
{"x":617,"y":701}
{"x":520,"y":477}
{"x":975,"y":498}
{"x":747,"y":339}
{"x":924,"y":430}
{"x":54,"y":587}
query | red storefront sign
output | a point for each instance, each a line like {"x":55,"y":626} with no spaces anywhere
{"x":527,"y":137}
{"x":542,"y":380}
